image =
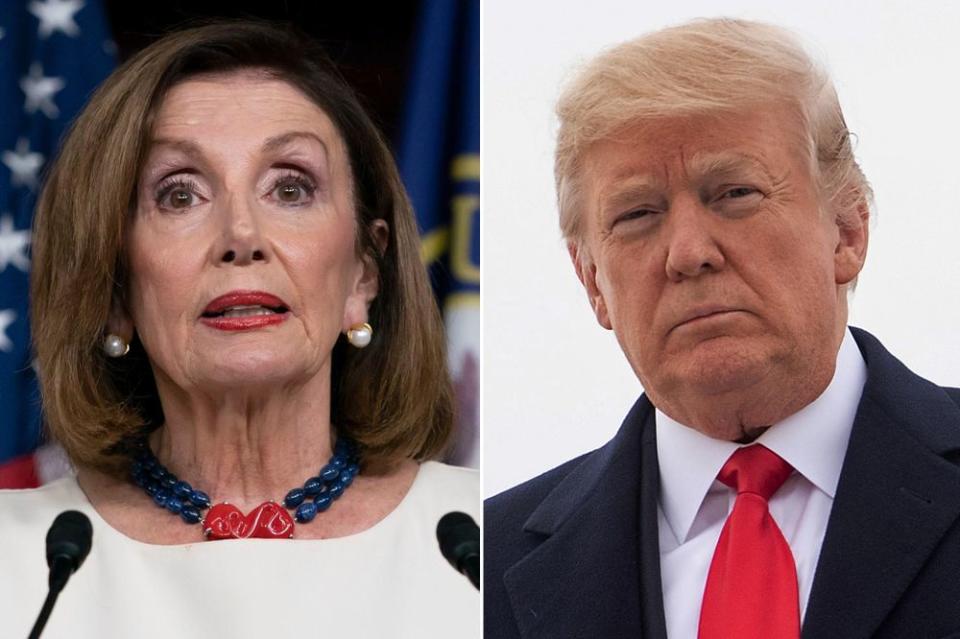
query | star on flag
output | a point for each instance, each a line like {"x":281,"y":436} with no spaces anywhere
{"x":13,"y":245}
{"x":7,"y":316}
{"x":39,"y":90}
{"x":56,"y":15}
{"x":23,"y":164}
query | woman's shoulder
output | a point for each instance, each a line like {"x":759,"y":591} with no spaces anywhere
{"x":453,"y":479}
{"x":35,"y":508}
{"x":445,"y":488}
{"x":25,"y":518}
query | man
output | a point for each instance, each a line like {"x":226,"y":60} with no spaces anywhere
{"x":781,"y":471}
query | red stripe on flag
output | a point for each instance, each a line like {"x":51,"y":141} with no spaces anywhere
{"x":19,"y":472}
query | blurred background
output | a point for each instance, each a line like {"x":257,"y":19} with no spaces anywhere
{"x":415,"y":66}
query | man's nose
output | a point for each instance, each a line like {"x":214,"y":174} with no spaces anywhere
{"x":242,"y":240}
{"x":692,"y":248}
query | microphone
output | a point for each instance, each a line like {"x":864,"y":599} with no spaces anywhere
{"x":459,"y":538}
{"x":68,"y":544}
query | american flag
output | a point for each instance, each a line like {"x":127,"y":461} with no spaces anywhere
{"x":53,"y":53}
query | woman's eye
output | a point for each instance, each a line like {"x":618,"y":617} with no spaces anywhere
{"x":293,"y":189}
{"x":290,"y":192}
{"x":180,"y":199}
{"x":177,"y":196}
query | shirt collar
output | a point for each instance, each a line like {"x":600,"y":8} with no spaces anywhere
{"x":812,"y":440}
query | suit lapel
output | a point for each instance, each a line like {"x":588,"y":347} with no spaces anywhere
{"x":597,"y":561}
{"x":652,"y":619}
{"x":896,"y":498}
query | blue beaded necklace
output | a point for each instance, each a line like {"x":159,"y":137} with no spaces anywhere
{"x":269,"y":520}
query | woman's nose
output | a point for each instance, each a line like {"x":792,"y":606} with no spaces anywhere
{"x":244,"y":241}
{"x":233,"y":256}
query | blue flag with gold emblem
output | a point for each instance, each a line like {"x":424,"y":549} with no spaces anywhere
{"x":440,"y":163}
{"x":53,"y":53}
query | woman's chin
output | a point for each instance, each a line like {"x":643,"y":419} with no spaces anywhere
{"x":253,"y":372}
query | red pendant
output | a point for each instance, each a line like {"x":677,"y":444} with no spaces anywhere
{"x":269,"y":520}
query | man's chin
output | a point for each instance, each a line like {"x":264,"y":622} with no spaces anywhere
{"x":730,"y":431}
{"x":715,"y":367}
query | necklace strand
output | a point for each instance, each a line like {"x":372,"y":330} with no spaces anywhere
{"x":180,"y":498}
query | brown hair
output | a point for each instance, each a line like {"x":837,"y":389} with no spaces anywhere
{"x":393,"y":397}
{"x":708,"y":66}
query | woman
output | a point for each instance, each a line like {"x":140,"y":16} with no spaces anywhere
{"x":236,"y":341}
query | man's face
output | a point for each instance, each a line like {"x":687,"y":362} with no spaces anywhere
{"x":706,"y":251}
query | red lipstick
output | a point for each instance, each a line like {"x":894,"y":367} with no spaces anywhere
{"x":244,"y":310}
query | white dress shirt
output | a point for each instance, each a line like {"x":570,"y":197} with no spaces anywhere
{"x":693,"y":505}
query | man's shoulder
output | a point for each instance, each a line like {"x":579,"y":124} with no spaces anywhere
{"x":520,"y":501}
{"x":953,"y":393}
{"x":504,"y":516}
{"x":505,"y":541}
{"x":562,"y":488}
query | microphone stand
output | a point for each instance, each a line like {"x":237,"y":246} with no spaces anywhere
{"x":59,"y":573}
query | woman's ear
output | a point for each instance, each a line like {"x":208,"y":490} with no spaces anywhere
{"x":380,"y":233}
{"x":367,"y":285}
{"x":119,"y":321}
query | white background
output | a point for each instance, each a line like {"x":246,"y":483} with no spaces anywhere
{"x":555,"y":384}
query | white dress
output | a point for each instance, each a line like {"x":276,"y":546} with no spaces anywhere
{"x":387,"y":581}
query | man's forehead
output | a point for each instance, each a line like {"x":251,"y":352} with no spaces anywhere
{"x":705,"y":142}
{"x":639,"y":169}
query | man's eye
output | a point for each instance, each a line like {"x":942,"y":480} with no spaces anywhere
{"x":739,"y":192}
{"x":635,"y":215}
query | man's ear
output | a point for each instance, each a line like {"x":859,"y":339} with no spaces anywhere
{"x":587,"y":273}
{"x":851,"y":249}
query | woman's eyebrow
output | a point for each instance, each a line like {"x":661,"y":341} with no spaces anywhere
{"x":280,"y":141}
{"x":187,"y":147}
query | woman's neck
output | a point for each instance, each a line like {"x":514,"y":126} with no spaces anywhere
{"x":245,"y":446}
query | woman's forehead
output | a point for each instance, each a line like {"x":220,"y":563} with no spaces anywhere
{"x":248,"y":103}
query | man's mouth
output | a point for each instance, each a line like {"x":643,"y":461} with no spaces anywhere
{"x":703,"y":313}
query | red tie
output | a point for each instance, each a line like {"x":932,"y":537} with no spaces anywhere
{"x":751,"y":588}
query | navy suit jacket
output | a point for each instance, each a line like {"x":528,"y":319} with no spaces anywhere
{"x":574,"y":552}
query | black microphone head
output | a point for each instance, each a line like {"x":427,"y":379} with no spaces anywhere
{"x":459,"y":536}
{"x":69,"y":536}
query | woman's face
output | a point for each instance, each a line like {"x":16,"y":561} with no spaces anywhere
{"x":242,"y":254}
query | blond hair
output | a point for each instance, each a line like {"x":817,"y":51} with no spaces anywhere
{"x":393,"y":398}
{"x":710,"y":66}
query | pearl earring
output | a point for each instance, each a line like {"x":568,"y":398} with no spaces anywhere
{"x":115,"y":346}
{"x":360,"y":334}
